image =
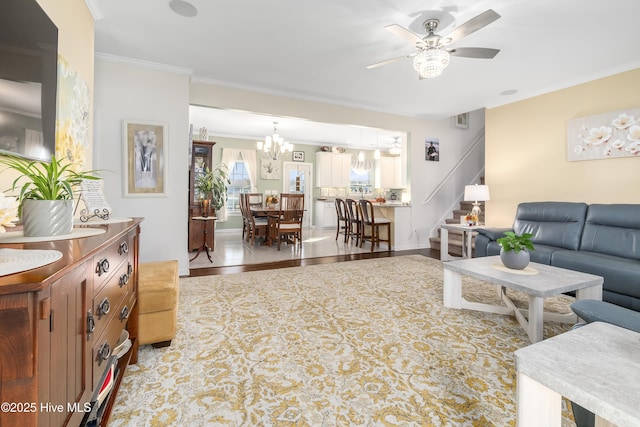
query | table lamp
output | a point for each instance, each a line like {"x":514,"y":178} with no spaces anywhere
{"x":476,"y":194}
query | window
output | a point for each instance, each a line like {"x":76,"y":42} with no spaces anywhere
{"x":360,"y":181}
{"x":240,"y":183}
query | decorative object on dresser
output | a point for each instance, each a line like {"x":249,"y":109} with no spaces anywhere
{"x":145,"y":158}
{"x":60,"y":323}
{"x":46,"y":194}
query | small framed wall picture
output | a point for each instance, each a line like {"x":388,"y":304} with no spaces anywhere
{"x":298,"y":156}
{"x":461,"y":121}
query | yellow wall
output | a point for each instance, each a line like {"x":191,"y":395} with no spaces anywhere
{"x":526,"y":150}
{"x":76,"y":44}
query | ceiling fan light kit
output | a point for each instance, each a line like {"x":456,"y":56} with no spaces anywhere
{"x":432,"y":56}
{"x":431,"y":62}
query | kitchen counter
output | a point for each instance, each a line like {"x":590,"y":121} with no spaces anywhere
{"x":401,"y":226}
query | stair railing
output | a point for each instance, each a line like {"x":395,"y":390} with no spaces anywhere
{"x":479,"y":139}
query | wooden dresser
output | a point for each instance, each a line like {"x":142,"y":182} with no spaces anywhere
{"x":59,"y":324}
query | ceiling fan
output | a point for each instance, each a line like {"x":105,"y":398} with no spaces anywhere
{"x":432,"y":56}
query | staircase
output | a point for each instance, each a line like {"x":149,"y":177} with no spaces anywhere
{"x":455,"y":237}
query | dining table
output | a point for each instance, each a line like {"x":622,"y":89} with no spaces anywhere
{"x":272,"y":212}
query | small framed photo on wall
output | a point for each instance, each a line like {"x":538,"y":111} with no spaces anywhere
{"x":432,"y":149}
{"x":298,"y":156}
{"x":461,"y":121}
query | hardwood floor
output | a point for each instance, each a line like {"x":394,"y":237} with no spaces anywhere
{"x":309,"y":261}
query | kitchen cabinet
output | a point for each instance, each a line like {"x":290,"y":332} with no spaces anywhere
{"x":201,"y":157}
{"x":333,"y":169}
{"x":389,"y":172}
{"x":326,"y":216}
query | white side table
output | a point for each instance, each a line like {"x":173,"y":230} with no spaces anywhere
{"x":597,"y":366}
{"x":467,"y":234}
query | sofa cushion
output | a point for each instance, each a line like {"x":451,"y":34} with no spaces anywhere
{"x":613,"y":230}
{"x":556,"y":224}
{"x":621,"y":275}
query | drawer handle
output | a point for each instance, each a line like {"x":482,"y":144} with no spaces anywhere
{"x":102,"y":267}
{"x":124,"y":279}
{"x":129,"y":269}
{"x":103,"y":308}
{"x":124,"y":314}
{"x":124,"y":248}
{"x":104,"y":352}
{"x":91,"y":323}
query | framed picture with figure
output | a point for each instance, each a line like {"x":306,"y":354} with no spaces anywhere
{"x":298,"y":156}
{"x":144,"y":147}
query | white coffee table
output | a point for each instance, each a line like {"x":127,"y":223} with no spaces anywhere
{"x":538,"y":281}
{"x":597,"y":366}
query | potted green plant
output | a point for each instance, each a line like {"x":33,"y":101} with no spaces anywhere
{"x":514,"y":249}
{"x":46,"y":194}
{"x":212,"y":185}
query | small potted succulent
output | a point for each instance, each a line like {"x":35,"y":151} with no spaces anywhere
{"x":514,"y":249}
{"x":46,"y":194}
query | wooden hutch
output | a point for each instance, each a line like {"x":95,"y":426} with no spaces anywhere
{"x":201,"y":157}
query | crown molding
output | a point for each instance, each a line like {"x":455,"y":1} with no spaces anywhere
{"x":94,"y":9}
{"x":142,"y":64}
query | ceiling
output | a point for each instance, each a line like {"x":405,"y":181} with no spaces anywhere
{"x":319,"y":50}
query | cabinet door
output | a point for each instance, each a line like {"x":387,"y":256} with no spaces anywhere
{"x":389,"y":172}
{"x":323,"y":169}
{"x":345,"y":170}
{"x":70,"y":374}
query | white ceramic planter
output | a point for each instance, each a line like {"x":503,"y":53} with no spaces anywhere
{"x":42,"y":218}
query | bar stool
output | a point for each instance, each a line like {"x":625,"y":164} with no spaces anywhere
{"x":369,"y":219}
{"x":343,"y":224}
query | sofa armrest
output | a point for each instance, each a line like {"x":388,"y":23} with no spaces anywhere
{"x":493,"y":233}
{"x":601,"y":311}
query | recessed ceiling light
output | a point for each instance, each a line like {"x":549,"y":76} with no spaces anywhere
{"x":183,"y":8}
{"x":509,"y":92}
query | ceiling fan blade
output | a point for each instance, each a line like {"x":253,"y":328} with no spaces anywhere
{"x":404,"y":33}
{"x":474,"y":52}
{"x":472,"y":25}
{"x":389,"y":61}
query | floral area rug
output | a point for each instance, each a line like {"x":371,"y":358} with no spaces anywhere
{"x":359,"y":343}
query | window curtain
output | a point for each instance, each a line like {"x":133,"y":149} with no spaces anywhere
{"x":229,"y":157}
{"x":361,"y":167}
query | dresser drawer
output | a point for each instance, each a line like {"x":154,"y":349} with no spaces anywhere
{"x":106,"y":301}
{"x":109,"y":260}
{"x":103,"y":346}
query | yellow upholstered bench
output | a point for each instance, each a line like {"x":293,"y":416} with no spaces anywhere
{"x":158,"y":290}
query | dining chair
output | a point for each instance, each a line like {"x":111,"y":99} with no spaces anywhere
{"x":292,"y":201}
{"x":342,"y":226}
{"x":288,"y":222}
{"x":257,"y":227}
{"x":354,"y":220}
{"x":244,"y":213}
{"x":255,"y":199}
{"x":374,"y":224}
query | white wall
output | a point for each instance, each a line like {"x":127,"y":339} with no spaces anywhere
{"x":423,"y":176}
{"x":128,"y":91}
{"x":134,"y":93}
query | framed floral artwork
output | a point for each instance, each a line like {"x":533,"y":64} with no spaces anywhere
{"x":144,"y":158}
{"x":270,"y":169}
{"x":604,"y":136}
